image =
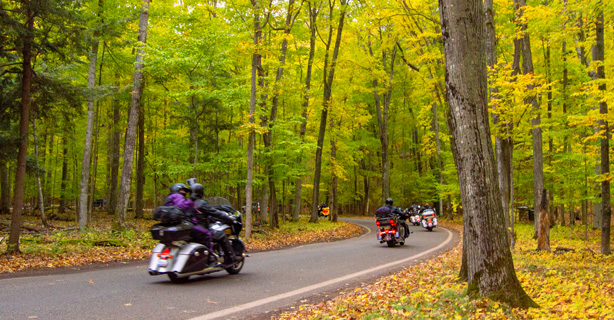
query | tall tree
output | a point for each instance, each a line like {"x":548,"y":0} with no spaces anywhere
{"x":382,"y":113}
{"x":326,"y":103}
{"x":538,"y":154}
{"x":140,"y":167}
{"x":466,"y":83}
{"x":24,"y":123}
{"x":256,"y":66}
{"x":5,"y":188}
{"x":113,"y":151}
{"x":41,"y":200}
{"x":268,"y":135}
{"x":598,"y":58}
{"x":89,"y":132}
{"x":133,"y":117}
{"x":503,"y":143}
{"x":313,"y":16}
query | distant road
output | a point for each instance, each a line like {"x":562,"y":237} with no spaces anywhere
{"x":269,"y":280}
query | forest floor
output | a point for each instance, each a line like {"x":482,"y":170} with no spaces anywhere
{"x":63,"y":246}
{"x":574,"y":281}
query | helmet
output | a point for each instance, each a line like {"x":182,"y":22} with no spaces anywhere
{"x":179,"y":187}
{"x":198,"y":191}
{"x":389,"y":201}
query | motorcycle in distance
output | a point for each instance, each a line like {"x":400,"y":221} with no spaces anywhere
{"x":179,"y":258}
{"x":429,"y":221}
{"x":323,"y":211}
{"x":391,"y":231}
{"x":414,"y":217}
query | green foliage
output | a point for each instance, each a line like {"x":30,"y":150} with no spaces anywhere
{"x":196,"y":97}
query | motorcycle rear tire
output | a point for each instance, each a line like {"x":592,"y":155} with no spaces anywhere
{"x":390,"y":243}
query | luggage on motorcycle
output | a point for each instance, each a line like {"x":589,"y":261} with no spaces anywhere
{"x":386,"y":221}
{"x":168,"y":215}
{"x":382,"y":212}
{"x":164,"y":233}
{"x":226,"y":208}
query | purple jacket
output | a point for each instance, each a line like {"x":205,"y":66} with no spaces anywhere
{"x":180,"y":201}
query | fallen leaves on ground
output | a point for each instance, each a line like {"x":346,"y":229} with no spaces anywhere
{"x":64,"y":246}
{"x":570,"y":285}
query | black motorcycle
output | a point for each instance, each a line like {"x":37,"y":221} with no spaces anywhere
{"x":391,"y":230}
{"x":179,"y":258}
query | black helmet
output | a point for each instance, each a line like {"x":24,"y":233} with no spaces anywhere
{"x":389,"y":201}
{"x":198,"y":190}
{"x":178,"y":187}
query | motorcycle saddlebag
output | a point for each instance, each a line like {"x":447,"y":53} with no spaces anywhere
{"x":180,"y":232}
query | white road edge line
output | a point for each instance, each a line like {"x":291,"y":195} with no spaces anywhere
{"x":289,"y":294}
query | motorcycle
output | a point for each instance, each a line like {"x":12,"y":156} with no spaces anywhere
{"x":429,"y":221}
{"x":179,"y":258}
{"x":391,"y":231}
{"x":323,"y":211}
{"x":414,"y":218}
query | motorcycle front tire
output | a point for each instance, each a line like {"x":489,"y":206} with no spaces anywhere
{"x":239,"y":248}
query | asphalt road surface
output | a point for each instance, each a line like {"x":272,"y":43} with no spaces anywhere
{"x":269,"y":282}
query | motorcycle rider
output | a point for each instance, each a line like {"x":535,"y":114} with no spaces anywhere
{"x":202,"y":211}
{"x":426,"y":206}
{"x":177,"y":197}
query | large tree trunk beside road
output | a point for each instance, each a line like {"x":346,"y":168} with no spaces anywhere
{"x":490,"y":268}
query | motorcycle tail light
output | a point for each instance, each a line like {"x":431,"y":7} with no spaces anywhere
{"x":166,"y":254}
{"x":377,"y":223}
{"x":430,"y":220}
{"x":392,"y":223}
{"x":393,"y":231}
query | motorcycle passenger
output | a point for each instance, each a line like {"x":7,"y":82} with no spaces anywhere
{"x":202,"y":212}
{"x":177,"y":197}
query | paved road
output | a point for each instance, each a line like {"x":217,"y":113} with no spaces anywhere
{"x":269,"y":280}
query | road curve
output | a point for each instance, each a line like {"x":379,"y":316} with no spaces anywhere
{"x":270,"y":280}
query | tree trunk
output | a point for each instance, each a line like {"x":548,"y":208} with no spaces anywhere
{"x":137,"y":89}
{"x":24,"y":123}
{"x":62,"y":208}
{"x":606,"y":210}
{"x":466,"y":83}
{"x":382,"y":121}
{"x":268,"y":136}
{"x":89,"y":132}
{"x":256,"y":60}
{"x":5,"y":189}
{"x":328,"y":87}
{"x":113,"y":156}
{"x":41,"y":200}
{"x":538,"y":156}
{"x":543,"y":239}
{"x":313,"y":15}
{"x":140,"y":168}
{"x":49,"y":164}
{"x":503,"y":143}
